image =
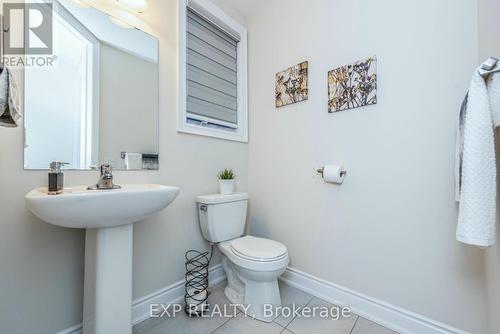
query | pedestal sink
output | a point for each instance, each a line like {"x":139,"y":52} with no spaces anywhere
{"x":108,"y":216}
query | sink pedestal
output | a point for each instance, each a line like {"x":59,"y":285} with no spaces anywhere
{"x":108,"y":217}
{"x":107,"y":301}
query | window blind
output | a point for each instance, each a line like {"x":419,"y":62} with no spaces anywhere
{"x":211,"y":72}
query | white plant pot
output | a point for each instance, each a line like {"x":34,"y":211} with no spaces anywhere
{"x":226,"y":187}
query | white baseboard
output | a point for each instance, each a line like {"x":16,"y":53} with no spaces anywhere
{"x":383,"y":313}
{"x":173,"y":293}
{"x":76,"y":329}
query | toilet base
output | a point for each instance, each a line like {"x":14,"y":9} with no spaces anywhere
{"x":262,"y":296}
{"x":233,"y":296}
{"x":235,"y":289}
{"x":257,"y":291}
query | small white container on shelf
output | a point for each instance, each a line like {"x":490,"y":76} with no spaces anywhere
{"x":226,"y":187}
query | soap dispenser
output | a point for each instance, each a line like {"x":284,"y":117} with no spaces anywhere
{"x":56,"y":178}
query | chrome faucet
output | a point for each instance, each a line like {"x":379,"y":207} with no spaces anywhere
{"x":105,"y":180}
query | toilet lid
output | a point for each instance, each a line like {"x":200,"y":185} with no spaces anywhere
{"x":259,"y":249}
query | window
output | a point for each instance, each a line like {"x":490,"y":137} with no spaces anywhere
{"x":213,"y":87}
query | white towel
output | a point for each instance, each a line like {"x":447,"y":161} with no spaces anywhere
{"x":477,"y":208}
{"x":9,"y":100}
{"x":459,"y":147}
{"x":493,"y":85}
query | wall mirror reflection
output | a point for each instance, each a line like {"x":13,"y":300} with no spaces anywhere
{"x":98,"y":103}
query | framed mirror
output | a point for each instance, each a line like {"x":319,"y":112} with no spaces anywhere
{"x":98,"y":103}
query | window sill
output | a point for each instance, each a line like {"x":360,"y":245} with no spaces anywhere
{"x":211,"y":132}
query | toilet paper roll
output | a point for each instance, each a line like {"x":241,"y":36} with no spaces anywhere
{"x":196,"y":300}
{"x":333,"y":174}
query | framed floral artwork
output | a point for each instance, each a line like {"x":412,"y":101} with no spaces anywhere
{"x":291,"y":85}
{"x":352,"y":86}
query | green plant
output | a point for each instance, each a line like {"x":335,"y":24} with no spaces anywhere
{"x":226,"y":174}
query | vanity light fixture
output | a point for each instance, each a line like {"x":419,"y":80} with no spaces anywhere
{"x":82,"y":3}
{"x":138,"y":6}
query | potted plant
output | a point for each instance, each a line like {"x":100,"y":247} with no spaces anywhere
{"x":226,"y":181}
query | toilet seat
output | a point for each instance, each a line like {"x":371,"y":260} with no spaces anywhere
{"x":241,"y":253}
{"x":258,"y":249}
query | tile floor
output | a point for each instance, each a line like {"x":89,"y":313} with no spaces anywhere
{"x":237,"y":323}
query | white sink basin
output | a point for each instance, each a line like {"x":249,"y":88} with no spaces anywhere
{"x":78,"y":207}
{"x":108,"y":216}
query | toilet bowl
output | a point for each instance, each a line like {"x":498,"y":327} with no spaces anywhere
{"x":252,"y":265}
{"x":252,"y":277}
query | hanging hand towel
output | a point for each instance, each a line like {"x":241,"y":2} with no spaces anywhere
{"x":477,"y":208}
{"x":493,"y":88}
{"x":459,"y":147}
{"x":9,"y":100}
{"x":493,"y":85}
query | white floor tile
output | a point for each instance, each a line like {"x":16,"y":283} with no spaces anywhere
{"x":291,"y":296}
{"x":183,"y":324}
{"x":364,"y":326}
{"x":319,"y":325}
{"x":242,"y":324}
{"x":146,"y":325}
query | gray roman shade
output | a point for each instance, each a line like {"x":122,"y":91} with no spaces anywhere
{"x":211,"y":72}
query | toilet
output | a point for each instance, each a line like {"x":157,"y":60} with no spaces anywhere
{"x":252,"y":264}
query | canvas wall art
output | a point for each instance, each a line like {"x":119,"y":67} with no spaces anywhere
{"x":291,"y":85}
{"x":352,"y":86}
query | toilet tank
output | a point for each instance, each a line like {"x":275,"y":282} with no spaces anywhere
{"x":222,"y":217}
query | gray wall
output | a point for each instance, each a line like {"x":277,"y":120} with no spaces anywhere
{"x":41,"y":266}
{"x":389,"y":230}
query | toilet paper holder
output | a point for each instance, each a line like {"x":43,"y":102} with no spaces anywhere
{"x":343,"y":172}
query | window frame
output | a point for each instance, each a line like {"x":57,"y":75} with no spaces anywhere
{"x":218,"y":17}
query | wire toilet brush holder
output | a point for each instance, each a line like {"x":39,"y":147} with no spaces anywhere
{"x":196,"y":286}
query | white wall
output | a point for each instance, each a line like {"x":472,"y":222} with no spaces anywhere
{"x":389,"y":230}
{"x":489,"y":45}
{"x":41,"y":266}
{"x":128,"y":117}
